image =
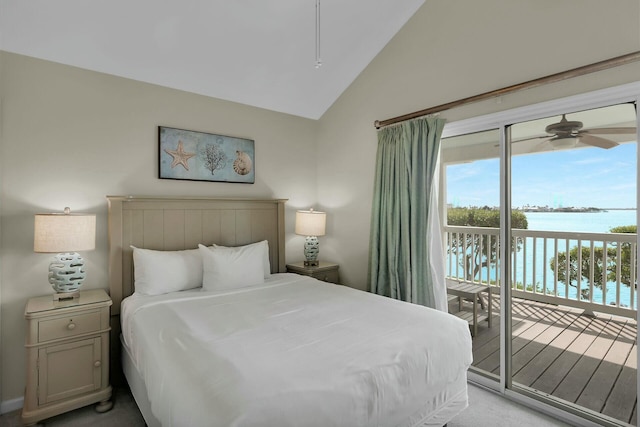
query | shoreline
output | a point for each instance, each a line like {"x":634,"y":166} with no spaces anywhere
{"x":573,"y":210}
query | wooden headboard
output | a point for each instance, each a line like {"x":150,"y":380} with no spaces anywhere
{"x":174,"y":223}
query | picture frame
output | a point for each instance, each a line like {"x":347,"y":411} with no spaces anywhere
{"x":200,"y":156}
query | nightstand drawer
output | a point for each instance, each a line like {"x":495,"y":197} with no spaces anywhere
{"x":68,"y":326}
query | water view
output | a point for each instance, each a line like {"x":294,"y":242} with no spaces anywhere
{"x":588,"y":222}
{"x":533,"y":264}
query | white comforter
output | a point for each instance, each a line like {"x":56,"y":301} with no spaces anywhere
{"x":292,"y":352}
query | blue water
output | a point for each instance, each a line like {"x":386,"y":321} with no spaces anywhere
{"x":593,"y":222}
{"x":590,"y":222}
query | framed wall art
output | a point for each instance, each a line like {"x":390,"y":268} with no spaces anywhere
{"x":199,"y":156}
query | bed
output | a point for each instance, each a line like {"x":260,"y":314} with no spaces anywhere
{"x":287,"y":350}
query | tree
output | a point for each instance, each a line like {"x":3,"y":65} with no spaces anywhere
{"x":600,"y":263}
{"x":625,"y":257}
{"x":473,"y":246}
{"x":214,"y":157}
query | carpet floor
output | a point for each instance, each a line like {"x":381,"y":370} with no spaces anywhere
{"x":486,"y":409}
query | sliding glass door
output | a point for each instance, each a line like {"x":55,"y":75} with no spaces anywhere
{"x":573,"y":261}
{"x":472,"y":229}
{"x":541,"y":227}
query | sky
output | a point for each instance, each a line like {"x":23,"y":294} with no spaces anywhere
{"x":587,"y":177}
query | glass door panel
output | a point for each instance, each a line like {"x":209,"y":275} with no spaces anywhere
{"x":573,"y":261}
{"x":471,"y":177}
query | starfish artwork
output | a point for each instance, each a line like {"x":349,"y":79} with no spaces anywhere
{"x":180,"y":157}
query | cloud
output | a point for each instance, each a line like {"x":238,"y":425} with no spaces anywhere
{"x":590,"y":161}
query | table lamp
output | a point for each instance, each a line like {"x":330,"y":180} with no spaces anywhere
{"x":65,"y":234}
{"x":311,"y":224}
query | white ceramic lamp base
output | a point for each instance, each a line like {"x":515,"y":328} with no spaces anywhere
{"x":311,"y":250}
{"x":66,"y":274}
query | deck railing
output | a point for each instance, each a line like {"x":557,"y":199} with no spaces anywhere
{"x":601,"y":274}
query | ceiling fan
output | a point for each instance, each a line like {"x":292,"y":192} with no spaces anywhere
{"x":567,"y":133}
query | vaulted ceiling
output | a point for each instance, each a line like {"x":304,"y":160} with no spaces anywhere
{"x":256,"y":52}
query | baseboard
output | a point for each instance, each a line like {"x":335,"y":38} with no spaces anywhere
{"x":11,"y":405}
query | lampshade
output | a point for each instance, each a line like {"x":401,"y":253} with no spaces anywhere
{"x":64,"y":232}
{"x":310,"y":223}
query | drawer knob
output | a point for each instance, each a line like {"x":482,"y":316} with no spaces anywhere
{"x":97,"y":364}
{"x":71,"y":326}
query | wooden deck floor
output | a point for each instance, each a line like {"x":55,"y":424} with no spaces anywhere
{"x":557,"y":350}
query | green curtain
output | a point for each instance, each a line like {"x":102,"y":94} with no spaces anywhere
{"x":399,"y":265}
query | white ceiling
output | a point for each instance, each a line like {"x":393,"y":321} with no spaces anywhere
{"x":256,"y":52}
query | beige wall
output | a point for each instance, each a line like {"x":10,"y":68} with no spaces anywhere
{"x":453,"y":49}
{"x":71,"y":137}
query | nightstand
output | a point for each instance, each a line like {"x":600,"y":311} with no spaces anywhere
{"x":67,"y":355}
{"x":325,"y":271}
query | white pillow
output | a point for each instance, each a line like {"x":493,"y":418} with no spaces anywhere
{"x":225,"y":269}
{"x":264,"y":247}
{"x":161,"y":272}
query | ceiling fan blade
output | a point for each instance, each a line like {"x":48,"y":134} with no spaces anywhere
{"x":530,"y":146}
{"x":541,"y":146}
{"x":610,"y":131}
{"x":596,"y":141}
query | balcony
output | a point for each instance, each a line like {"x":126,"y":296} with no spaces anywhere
{"x":573,"y":341}
{"x":602,"y":265}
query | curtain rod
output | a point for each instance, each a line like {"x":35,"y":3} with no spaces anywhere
{"x":553,"y":78}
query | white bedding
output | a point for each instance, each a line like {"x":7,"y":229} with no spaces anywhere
{"x":292,"y":352}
